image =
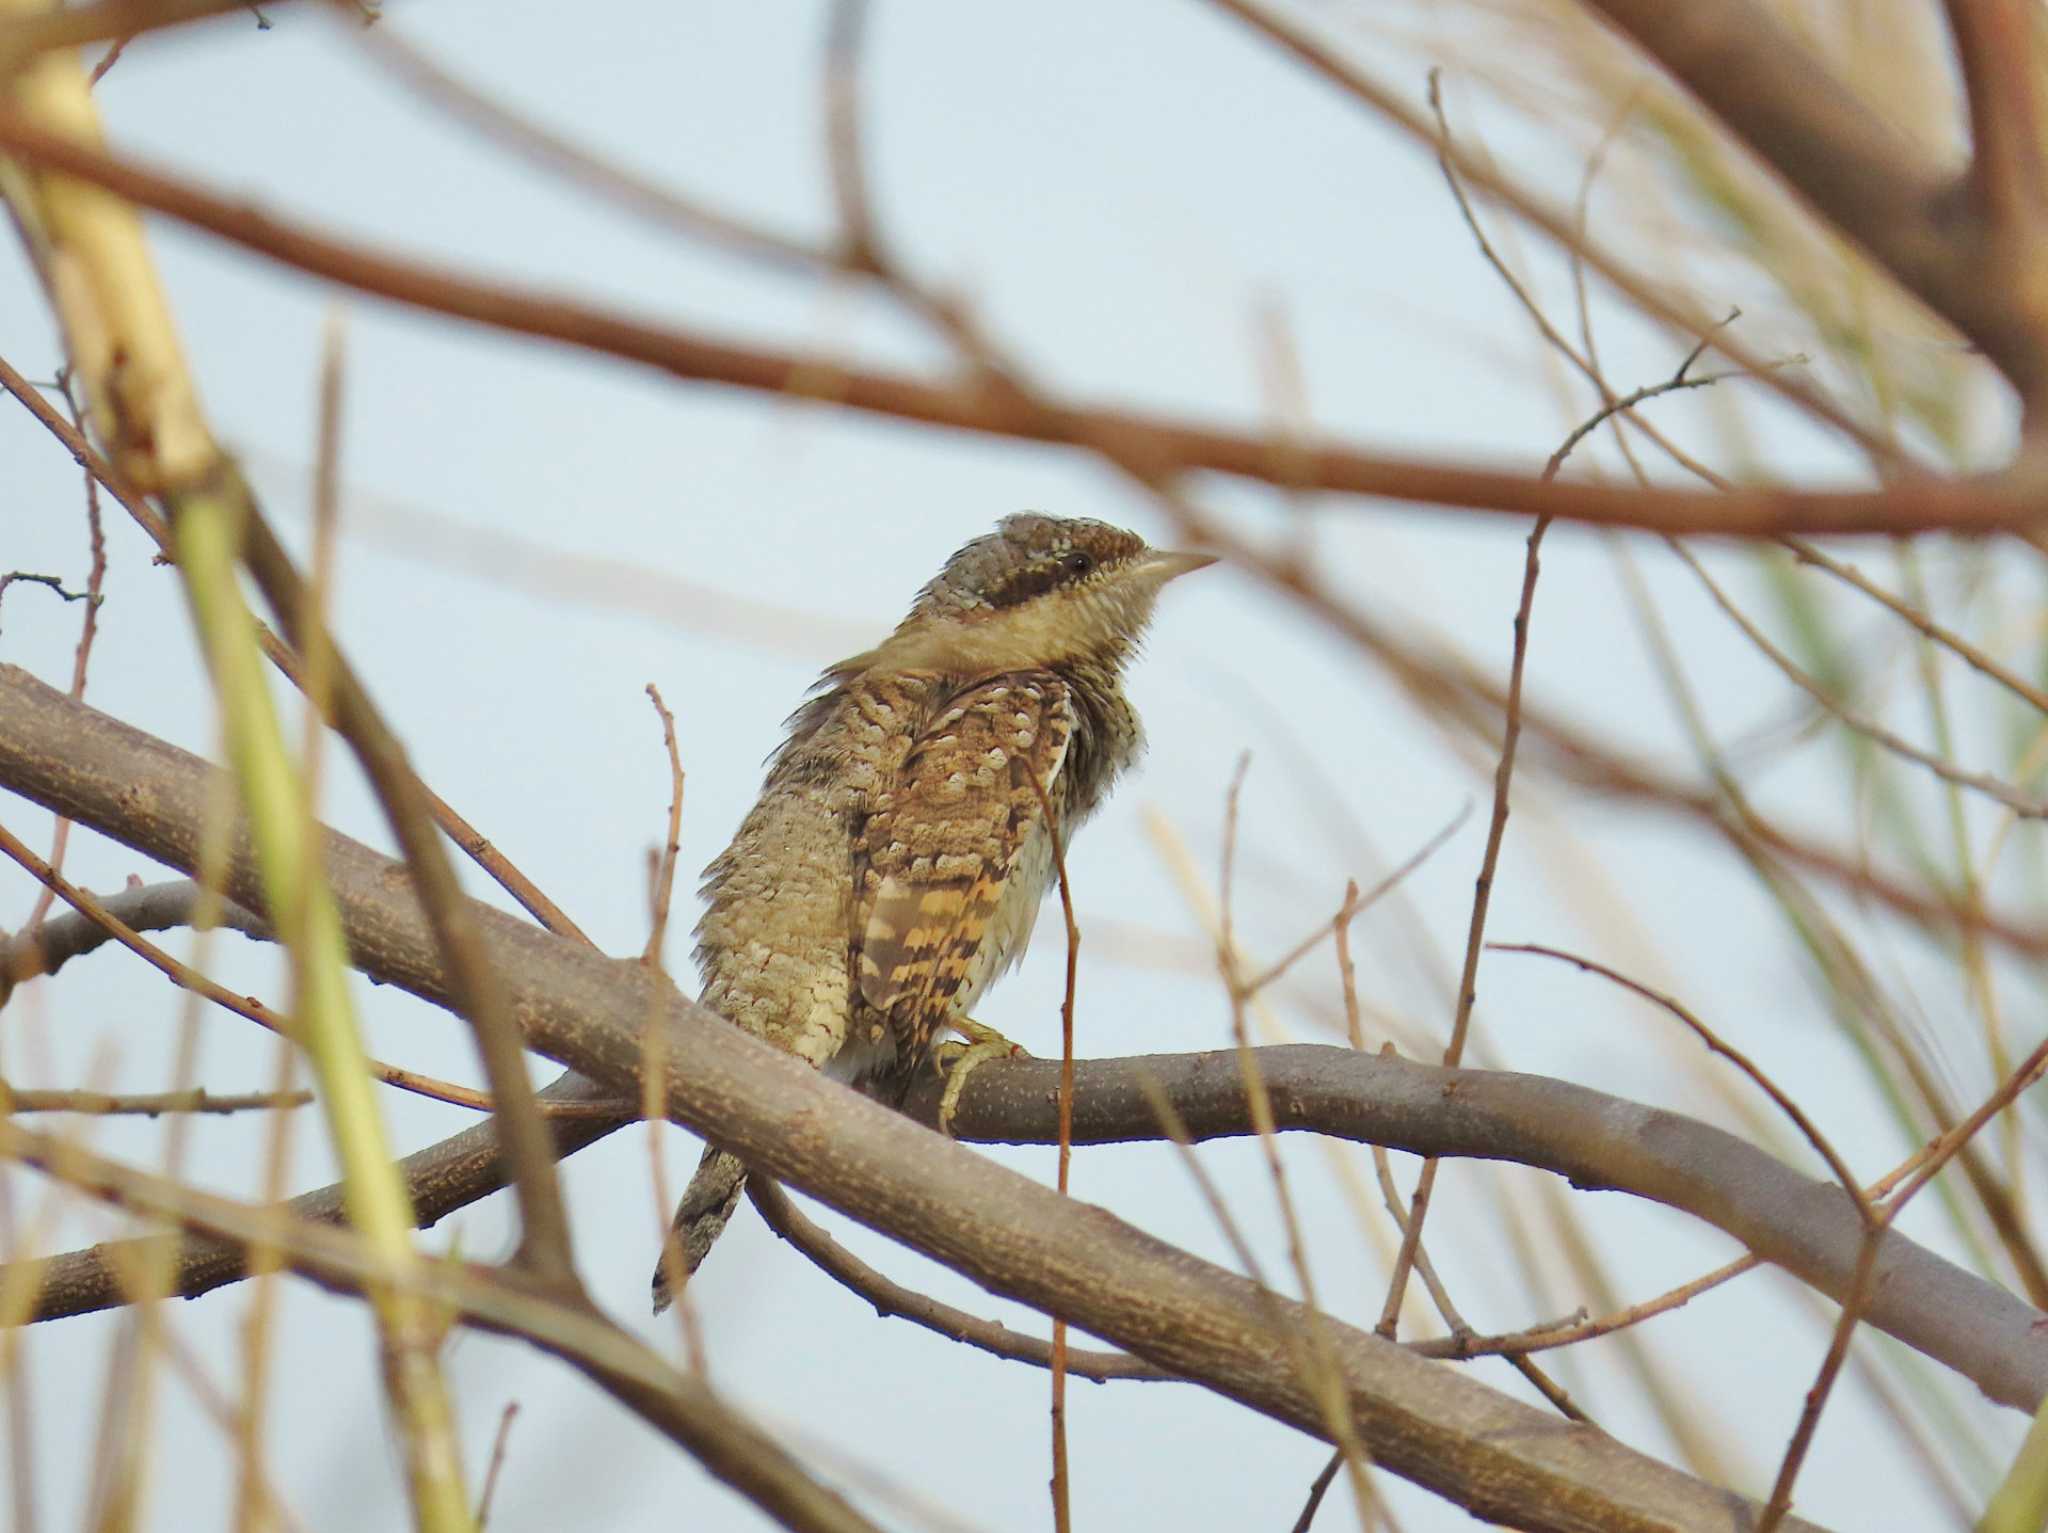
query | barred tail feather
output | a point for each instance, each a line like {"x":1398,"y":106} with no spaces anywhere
{"x":701,"y":1218}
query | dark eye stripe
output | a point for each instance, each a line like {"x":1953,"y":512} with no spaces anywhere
{"x":1032,"y":580}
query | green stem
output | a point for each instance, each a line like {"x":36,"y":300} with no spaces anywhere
{"x":207,"y":524}
{"x":2020,"y":1504}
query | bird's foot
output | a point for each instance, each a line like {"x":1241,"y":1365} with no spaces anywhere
{"x":958,"y":1060}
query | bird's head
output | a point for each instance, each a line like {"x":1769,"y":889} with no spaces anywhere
{"x":1038,"y":591}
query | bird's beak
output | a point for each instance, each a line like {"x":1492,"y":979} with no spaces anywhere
{"x":1163,"y":564}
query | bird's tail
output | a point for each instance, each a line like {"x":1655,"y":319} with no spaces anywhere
{"x":701,"y":1217}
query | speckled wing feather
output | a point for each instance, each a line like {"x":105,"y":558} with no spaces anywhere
{"x":951,"y":864}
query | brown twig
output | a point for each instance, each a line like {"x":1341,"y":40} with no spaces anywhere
{"x":1622,"y":404}
{"x":664,"y":881}
{"x":1468,"y":993}
{"x":1718,"y":1045}
{"x":859,"y":237}
{"x":1544,"y":1338}
{"x":1440,"y":1296}
{"x":497,"y":1464}
{"x":1355,"y":904}
{"x":88,"y":629}
{"x":1318,"y":1369}
{"x":894,"y":1301}
{"x":187,"y":978}
{"x":1318,"y":1488}
{"x":47,"y":582}
{"x":1062,"y":1507}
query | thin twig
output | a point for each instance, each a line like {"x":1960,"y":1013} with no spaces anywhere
{"x":1626,"y":402}
{"x":1062,"y":1507}
{"x":1770,"y":1088}
{"x":894,"y":1301}
{"x":1318,"y":1488}
{"x":497,"y":1464}
{"x":88,"y":628}
{"x":1544,"y":1338}
{"x":1955,"y":643}
{"x":1356,"y":904}
{"x":664,"y":884}
{"x":1440,"y":1294}
{"x":47,"y":582}
{"x":146,"y":1104}
{"x":187,"y":978}
{"x":2022,"y":804}
{"x":1319,"y":1371}
{"x":1511,"y":728}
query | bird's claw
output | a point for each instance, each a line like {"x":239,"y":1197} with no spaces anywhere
{"x":957,"y":1060}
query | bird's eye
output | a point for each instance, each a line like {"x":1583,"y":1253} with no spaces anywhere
{"x":1078,"y":563}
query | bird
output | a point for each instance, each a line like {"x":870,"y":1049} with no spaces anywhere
{"x":895,"y":862}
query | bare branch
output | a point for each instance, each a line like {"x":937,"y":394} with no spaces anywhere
{"x":2009,"y":499}
{"x":14,"y":1099}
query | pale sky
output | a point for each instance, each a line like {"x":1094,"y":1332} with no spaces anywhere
{"x":1125,"y":190}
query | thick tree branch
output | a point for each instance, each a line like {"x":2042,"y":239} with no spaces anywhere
{"x":1870,"y":181}
{"x":2009,"y":499}
{"x":1501,"y":1459}
{"x":1995,"y":50}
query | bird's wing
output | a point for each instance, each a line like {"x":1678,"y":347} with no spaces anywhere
{"x":940,"y":846}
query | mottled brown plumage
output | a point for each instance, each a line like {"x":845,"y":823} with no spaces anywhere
{"x":895,"y":862}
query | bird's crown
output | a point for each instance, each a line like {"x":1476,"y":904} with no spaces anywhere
{"x":1029,"y":554}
